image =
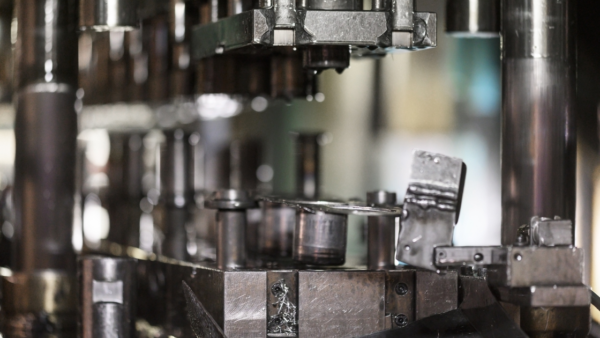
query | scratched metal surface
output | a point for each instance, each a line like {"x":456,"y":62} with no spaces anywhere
{"x":245,"y":304}
{"x":436,"y":293}
{"x":340,"y":303}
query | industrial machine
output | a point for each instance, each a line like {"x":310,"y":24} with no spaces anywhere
{"x":201,"y":244}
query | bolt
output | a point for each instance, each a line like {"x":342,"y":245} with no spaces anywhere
{"x":277,"y":289}
{"x":401,"y":289}
{"x":518,"y":257}
{"x":522,"y":240}
{"x":401,"y":320}
{"x":478,"y":257}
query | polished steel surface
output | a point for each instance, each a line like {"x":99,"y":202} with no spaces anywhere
{"x":340,"y":303}
{"x":231,"y":239}
{"x":381,"y":238}
{"x":103,"y":15}
{"x":320,"y":238}
{"x":538,"y":115}
{"x":107,"y":291}
{"x":45,"y":133}
{"x":473,"y":18}
{"x":46,"y":47}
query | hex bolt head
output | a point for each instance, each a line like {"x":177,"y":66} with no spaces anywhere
{"x":401,"y":289}
{"x":401,"y":320}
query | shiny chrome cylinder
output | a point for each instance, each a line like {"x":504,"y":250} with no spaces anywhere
{"x":45,"y":134}
{"x":104,"y":15}
{"x":176,"y":176}
{"x":473,"y":18}
{"x":177,"y":191}
{"x":538,"y":116}
{"x":381,"y":248}
{"x":276,"y":232}
{"x":307,"y":165}
{"x":231,"y":239}
{"x":320,"y":238}
{"x":107,"y":292}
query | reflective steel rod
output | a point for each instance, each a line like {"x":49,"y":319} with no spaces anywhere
{"x":46,"y":132}
{"x":538,"y":131}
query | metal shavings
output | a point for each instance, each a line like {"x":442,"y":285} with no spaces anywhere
{"x":284,"y":322}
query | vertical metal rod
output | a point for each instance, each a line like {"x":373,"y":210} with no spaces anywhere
{"x":177,"y":191}
{"x":231,"y":237}
{"x":107,"y":289}
{"x":538,"y":93}
{"x":307,"y":165}
{"x":46,"y":133}
{"x":381,"y":247}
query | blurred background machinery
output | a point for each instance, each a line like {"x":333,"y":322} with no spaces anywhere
{"x":195,"y":168}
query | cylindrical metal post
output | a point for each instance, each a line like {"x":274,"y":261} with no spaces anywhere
{"x":103,"y":15}
{"x":538,"y":131}
{"x":45,"y":133}
{"x":107,"y":289}
{"x":231,"y":226}
{"x":307,"y":165}
{"x":176,"y":190}
{"x":320,"y":238}
{"x":473,"y":18}
{"x":231,"y":239}
{"x":381,"y":233}
{"x":276,"y":232}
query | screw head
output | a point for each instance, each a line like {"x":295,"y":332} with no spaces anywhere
{"x":401,"y":320}
{"x":401,"y":289}
{"x":277,"y":289}
{"x":478,"y":257}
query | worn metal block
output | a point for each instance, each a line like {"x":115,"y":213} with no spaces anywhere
{"x":551,"y":232}
{"x":341,"y":303}
{"x":245,"y":304}
{"x":539,"y":266}
{"x":342,"y":27}
{"x":554,"y":296}
{"x":253,"y":27}
{"x":400,"y":295}
{"x":469,"y":255}
{"x":435,"y":293}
